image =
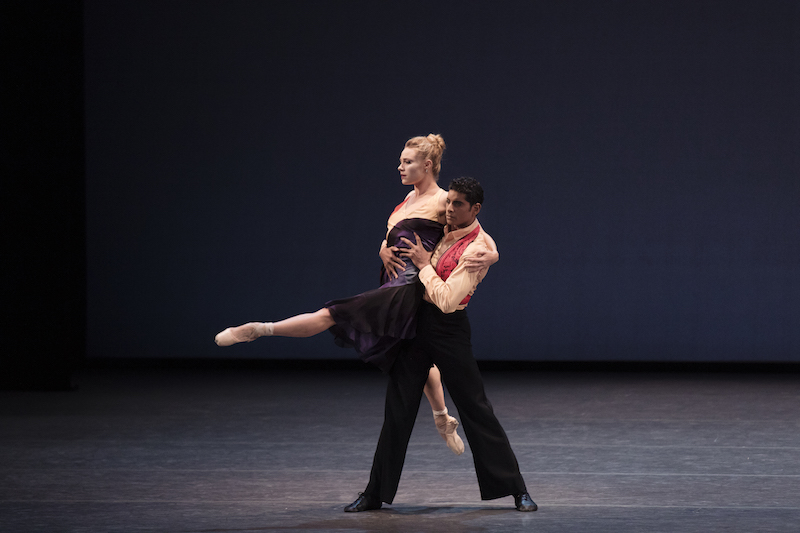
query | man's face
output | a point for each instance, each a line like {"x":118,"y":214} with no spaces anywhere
{"x":459,"y":213}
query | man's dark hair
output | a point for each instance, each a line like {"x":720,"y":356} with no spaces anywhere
{"x":470,"y":188}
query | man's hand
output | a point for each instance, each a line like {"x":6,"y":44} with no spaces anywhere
{"x":391,"y":262}
{"x":416,"y":252}
{"x":480,"y":260}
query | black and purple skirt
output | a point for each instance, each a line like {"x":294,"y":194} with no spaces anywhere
{"x":376,"y":321}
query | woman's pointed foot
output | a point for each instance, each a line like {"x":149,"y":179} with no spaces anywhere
{"x":447,"y":427}
{"x":244,"y":333}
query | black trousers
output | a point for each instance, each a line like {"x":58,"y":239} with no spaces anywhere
{"x":443,"y":339}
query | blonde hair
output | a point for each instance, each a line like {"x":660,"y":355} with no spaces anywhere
{"x":429,"y":147}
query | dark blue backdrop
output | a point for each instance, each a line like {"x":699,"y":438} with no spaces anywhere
{"x":639,"y":160}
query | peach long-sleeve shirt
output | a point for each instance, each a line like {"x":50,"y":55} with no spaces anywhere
{"x":447,"y":295}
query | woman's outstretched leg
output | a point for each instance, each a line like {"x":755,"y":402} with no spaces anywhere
{"x":305,"y":325}
{"x":445,"y":424}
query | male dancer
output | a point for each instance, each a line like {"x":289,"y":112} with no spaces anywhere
{"x":443,"y":338}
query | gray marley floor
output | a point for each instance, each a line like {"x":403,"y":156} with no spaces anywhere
{"x":260,"y":450}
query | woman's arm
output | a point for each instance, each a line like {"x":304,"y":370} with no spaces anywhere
{"x":441,"y":207}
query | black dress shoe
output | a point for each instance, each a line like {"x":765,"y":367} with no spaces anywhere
{"x":524,"y":502}
{"x":366,"y":503}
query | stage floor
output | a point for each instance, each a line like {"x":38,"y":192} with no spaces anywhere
{"x":270,"y":450}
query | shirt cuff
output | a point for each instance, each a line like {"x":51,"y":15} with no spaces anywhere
{"x":426,"y":272}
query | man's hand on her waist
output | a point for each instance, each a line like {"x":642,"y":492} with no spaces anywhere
{"x":416,"y":252}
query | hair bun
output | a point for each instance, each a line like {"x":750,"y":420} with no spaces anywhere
{"x":436,"y":139}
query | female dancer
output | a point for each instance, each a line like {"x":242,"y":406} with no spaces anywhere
{"x":376,"y":321}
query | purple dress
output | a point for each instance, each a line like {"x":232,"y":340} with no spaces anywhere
{"x":376,"y":321}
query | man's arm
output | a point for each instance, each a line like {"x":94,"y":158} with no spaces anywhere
{"x":446,"y":295}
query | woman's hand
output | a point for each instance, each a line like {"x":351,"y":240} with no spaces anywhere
{"x":391,"y":262}
{"x":481,"y":259}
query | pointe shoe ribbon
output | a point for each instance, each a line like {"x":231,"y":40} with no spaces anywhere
{"x":447,"y":426}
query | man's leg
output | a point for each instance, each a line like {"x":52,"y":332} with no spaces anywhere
{"x":403,"y":394}
{"x":447,"y":338}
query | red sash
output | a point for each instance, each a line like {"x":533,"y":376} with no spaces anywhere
{"x":449,"y":260}
{"x":396,"y":209}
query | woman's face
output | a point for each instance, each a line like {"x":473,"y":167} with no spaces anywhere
{"x":412,"y":167}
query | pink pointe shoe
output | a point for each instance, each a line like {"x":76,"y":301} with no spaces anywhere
{"x":447,"y":426}
{"x":244,"y":333}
